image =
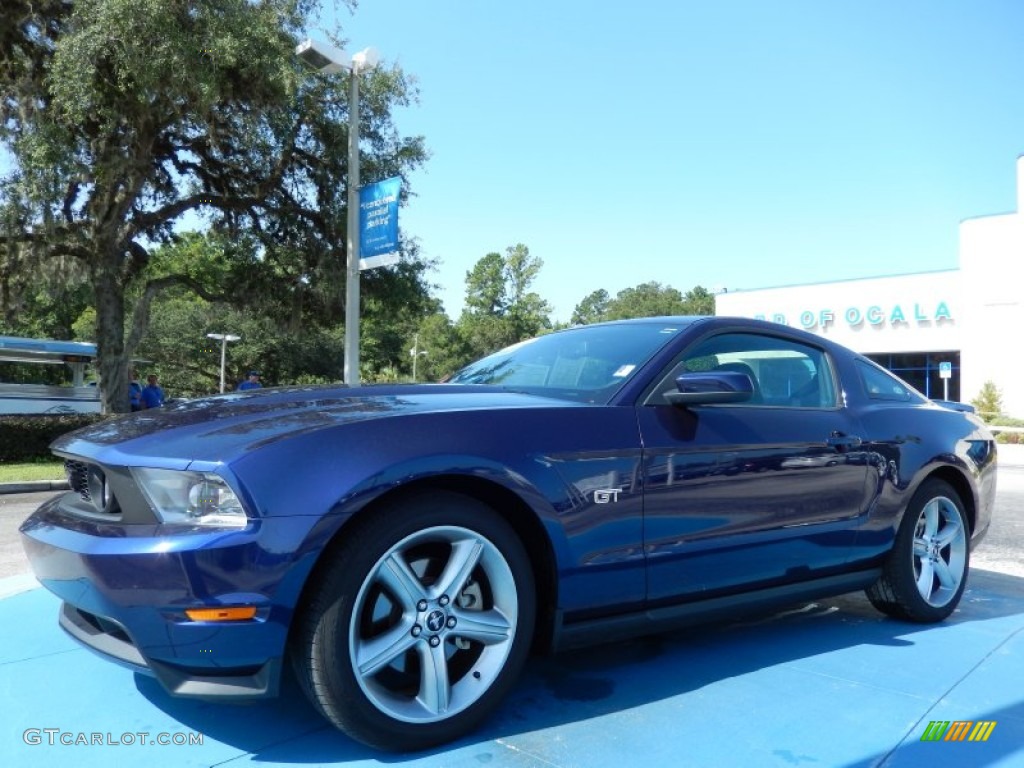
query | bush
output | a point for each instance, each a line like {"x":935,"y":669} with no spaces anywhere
{"x":28,"y":437}
{"x":1012,"y":438}
{"x":1006,"y":421}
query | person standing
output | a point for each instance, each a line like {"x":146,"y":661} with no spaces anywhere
{"x":152,"y":394}
{"x":134,"y":391}
{"x":251,"y":382}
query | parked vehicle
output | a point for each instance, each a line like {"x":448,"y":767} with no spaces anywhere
{"x":28,"y":386}
{"x":404,"y":547}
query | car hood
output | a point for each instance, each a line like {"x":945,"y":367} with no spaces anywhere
{"x":216,"y":429}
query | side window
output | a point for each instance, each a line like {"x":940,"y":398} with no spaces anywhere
{"x":879,"y":384}
{"x":784,"y":373}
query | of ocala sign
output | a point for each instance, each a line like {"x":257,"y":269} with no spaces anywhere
{"x":875,"y":315}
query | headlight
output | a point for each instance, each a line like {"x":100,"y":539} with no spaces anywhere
{"x":192,"y":498}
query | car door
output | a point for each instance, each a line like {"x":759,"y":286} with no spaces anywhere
{"x":753,"y":494}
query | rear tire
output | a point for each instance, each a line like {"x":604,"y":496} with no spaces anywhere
{"x":419,"y":623}
{"x":926,"y":572}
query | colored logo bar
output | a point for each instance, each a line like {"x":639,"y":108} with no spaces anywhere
{"x":958,"y":730}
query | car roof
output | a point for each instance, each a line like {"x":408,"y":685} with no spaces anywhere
{"x":748,"y":324}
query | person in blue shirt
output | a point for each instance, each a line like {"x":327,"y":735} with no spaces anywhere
{"x":152,"y":395}
{"x":134,"y":391}
{"x":252,"y":382}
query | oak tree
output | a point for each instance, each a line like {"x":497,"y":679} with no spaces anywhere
{"x":128,"y":120}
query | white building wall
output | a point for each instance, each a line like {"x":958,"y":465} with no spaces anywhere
{"x":977,"y":309}
{"x":991,"y":255}
{"x":921,"y":312}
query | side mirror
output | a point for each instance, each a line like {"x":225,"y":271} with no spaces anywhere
{"x":711,"y":387}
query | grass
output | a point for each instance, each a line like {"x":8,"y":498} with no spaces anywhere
{"x":16,"y":472}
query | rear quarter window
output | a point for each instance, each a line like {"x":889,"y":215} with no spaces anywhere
{"x":879,"y":384}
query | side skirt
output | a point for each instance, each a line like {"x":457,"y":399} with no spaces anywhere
{"x":651,"y":621}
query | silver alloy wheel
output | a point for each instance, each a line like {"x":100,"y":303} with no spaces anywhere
{"x":433,"y":624}
{"x":940,"y":551}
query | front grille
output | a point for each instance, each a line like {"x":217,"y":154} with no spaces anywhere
{"x":78,"y":478}
{"x":92,"y":485}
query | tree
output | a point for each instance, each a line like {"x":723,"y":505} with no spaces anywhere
{"x":486,"y":290}
{"x":123,"y":116}
{"x":500,"y":307}
{"x":699,"y":301}
{"x":286,"y":330}
{"x":446,"y":350}
{"x":397,"y":302}
{"x":592,"y":309}
{"x":46,"y":307}
{"x":989,"y":401}
{"x":645,"y":300}
{"x":528,"y":313}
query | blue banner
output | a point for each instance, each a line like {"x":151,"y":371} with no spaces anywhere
{"x":378,"y":217}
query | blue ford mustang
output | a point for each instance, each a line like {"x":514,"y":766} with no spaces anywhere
{"x":402,"y":548}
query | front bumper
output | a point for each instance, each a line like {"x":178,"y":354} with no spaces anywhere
{"x":125,"y":590}
{"x":108,"y":639}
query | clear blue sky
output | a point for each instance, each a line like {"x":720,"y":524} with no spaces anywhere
{"x":738,"y":144}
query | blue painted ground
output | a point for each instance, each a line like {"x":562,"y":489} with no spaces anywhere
{"x":825,"y":684}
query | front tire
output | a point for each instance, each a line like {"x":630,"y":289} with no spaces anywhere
{"x":420,"y":621}
{"x":926,"y":572}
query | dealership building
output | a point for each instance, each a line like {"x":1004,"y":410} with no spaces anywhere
{"x":945,"y":332}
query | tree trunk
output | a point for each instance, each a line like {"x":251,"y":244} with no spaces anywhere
{"x":113,"y":363}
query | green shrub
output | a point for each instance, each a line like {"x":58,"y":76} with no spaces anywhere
{"x":1006,"y":421}
{"x":1011,"y":438}
{"x":28,"y":437}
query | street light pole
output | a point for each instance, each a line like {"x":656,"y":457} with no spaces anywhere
{"x":224,"y":339}
{"x":329,"y":60}
{"x":351,"y":369}
{"x":415,"y":352}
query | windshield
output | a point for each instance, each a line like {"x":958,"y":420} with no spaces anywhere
{"x":588,"y":363}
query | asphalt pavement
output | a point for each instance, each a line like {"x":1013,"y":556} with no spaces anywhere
{"x":825,"y":683}
{"x":14,"y":508}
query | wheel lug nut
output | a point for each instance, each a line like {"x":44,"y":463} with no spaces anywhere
{"x":443,"y":601}
{"x":435,"y":641}
{"x":416,"y":630}
{"x":451,"y":622}
{"x":421,"y":606}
